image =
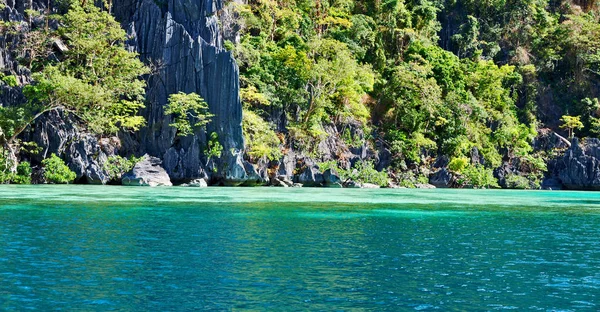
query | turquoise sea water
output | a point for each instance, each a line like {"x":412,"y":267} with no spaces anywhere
{"x":95,"y":248}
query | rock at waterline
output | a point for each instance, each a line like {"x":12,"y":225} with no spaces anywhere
{"x":147,"y":172}
{"x":196,"y":183}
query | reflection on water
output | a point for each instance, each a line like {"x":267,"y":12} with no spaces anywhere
{"x":85,"y":248}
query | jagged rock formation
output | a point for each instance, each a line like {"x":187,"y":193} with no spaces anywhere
{"x":579,"y":168}
{"x":182,"y":41}
{"x":147,"y":172}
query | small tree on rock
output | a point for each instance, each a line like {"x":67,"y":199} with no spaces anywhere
{"x":570,"y":123}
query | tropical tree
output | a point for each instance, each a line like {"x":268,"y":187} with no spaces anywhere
{"x":571,"y":123}
{"x":97,"y":81}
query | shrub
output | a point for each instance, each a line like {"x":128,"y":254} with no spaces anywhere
{"x":479,"y":176}
{"x":362,"y":172}
{"x":184,"y":107}
{"x":365,"y":172}
{"x":56,"y":171}
{"x":10,"y":80}
{"x":458,"y":164}
{"x":261,"y":140}
{"x":23,"y":175}
{"x":214,"y":148}
{"x":116,"y":166}
{"x":515,"y":181}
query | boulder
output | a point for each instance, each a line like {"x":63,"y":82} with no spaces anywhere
{"x":352,"y":184}
{"x":424,"y":186}
{"x":331,"y":178}
{"x":310,"y":177}
{"x":279,"y":183}
{"x":370,"y":186}
{"x":147,"y":172}
{"x":441,"y":178}
{"x":196,"y":183}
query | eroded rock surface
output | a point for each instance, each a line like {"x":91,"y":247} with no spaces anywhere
{"x":182,"y":41}
{"x":147,"y":172}
{"x":580,"y":166}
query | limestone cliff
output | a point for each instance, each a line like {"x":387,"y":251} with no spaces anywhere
{"x":182,"y":41}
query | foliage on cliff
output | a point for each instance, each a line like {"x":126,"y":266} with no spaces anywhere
{"x":433,"y":76}
{"x":82,"y":68}
{"x":422,"y":78}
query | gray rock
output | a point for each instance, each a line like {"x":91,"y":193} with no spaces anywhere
{"x":287,"y":164}
{"x":310,"y":177}
{"x":441,"y":162}
{"x":196,"y":183}
{"x":548,"y":140}
{"x":278,"y":182}
{"x":370,"y":186}
{"x":182,"y":40}
{"x":385,"y":159}
{"x":352,"y":184}
{"x":285,"y":180}
{"x":476,"y":158}
{"x":254,"y":177}
{"x":424,"y":186}
{"x":580,"y":168}
{"x":56,"y":133}
{"x":441,"y":178}
{"x":331,"y":177}
{"x":86,"y":159}
{"x":147,"y":172}
{"x":552,"y":184}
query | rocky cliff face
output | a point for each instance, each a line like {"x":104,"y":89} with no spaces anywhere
{"x":579,"y":168}
{"x":182,"y":41}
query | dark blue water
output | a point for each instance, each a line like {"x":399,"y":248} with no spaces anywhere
{"x":114,"y":248}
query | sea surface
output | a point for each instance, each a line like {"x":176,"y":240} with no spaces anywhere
{"x":95,"y":248}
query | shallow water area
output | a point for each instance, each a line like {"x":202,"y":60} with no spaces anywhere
{"x":117,"y":248}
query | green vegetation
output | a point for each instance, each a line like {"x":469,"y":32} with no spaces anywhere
{"x":186,"y":107}
{"x":94,"y":79}
{"x":97,"y":80}
{"x":458,"y":164}
{"x":571,"y":123}
{"x":56,"y":171}
{"x":379,"y":63}
{"x":431,"y":77}
{"x":261,"y":141}
{"x":421,"y":78}
{"x":214,"y":148}
{"x":479,"y":177}
{"x":362,"y":172}
{"x":10,"y":80}
{"x":116,"y":166}
{"x":515,"y":181}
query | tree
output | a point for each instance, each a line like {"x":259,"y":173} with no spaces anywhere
{"x":185,"y":107}
{"x":570,"y":123}
{"x":336,"y":83}
{"x":97,"y":81}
